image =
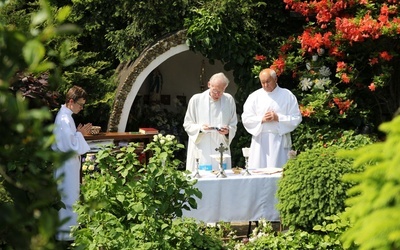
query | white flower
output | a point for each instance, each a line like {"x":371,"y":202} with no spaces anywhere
{"x":91,"y":167}
{"x":292,"y":154}
{"x":325,"y":71}
{"x":162,"y":141}
{"x":84,"y":167}
{"x":318,"y":84}
{"x":169,"y":137}
{"x":306,"y":84}
{"x":326,"y":81}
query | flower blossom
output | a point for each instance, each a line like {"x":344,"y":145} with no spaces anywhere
{"x":260,"y":57}
{"x":321,"y":83}
{"x":342,"y":105}
{"x":292,"y":154}
{"x":373,"y":61}
{"x":340,"y":66}
{"x":345,"y":78}
{"x":306,"y":84}
{"x":372,"y":87}
{"x":306,"y":111}
{"x":385,"y":56}
{"x":325,"y":71}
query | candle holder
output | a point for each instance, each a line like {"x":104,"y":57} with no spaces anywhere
{"x":197,"y":174}
{"x":246,"y":158}
{"x":221,"y":172}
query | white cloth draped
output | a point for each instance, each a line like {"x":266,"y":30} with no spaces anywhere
{"x":203,"y":110}
{"x":68,"y":140}
{"x":271,"y":141}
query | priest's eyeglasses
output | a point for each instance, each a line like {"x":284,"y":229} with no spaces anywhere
{"x":216,"y":92}
{"x":80,"y":104}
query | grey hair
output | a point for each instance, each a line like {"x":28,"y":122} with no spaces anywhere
{"x":219,"y":76}
{"x":273,"y":74}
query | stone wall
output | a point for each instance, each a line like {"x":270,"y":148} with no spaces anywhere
{"x":129,"y":71}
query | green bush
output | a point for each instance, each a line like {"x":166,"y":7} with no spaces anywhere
{"x":312,"y":188}
{"x":126,"y":205}
{"x":29,"y":198}
{"x":263,"y":237}
{"x":374,"y":206}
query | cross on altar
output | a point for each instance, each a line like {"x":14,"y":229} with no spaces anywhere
{"x":221,"y":149}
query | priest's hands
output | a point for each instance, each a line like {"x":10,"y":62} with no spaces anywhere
{"x":84,"y":129}
{"x":223,"y":130}
{"x":270,"y":116}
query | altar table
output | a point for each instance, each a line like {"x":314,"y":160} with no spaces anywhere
{"x":236,"y":198}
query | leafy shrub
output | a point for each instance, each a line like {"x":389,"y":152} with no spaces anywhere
{"x":263,"y":237}
{"x":374,"y":208}
{"x":126,"y":205}
{"x":312,"y":188}
{"x":28,"y":218}
{"x":28,"y":215}
{"x":311,"y":135}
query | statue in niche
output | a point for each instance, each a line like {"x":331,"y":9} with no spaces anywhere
{"x":156,"y":82}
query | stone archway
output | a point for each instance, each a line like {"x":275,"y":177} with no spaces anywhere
{"x":132,"y":75}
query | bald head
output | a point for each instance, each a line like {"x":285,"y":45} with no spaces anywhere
{"x":268,"y":79}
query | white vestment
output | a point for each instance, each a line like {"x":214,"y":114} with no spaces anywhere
{"x":203,"y":110}
{"x":271,"y":141}
{"x":68,"y":140}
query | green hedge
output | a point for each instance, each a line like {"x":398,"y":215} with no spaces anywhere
{"x":312,"y":188}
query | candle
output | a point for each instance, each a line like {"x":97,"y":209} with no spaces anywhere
{"x":199,"y":152}
{"x":246,"y":152}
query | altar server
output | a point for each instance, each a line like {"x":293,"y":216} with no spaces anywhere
{"x":209,"y":121}
{"x":69,"y":138}
{"x":269,"y":115}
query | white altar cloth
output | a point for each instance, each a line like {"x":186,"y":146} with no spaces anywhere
{"x":236,"y":198}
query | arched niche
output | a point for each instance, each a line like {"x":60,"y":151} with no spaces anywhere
{"x":166,"y":54}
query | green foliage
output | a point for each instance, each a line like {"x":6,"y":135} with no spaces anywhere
{"x":374,"y":206}
{"x":126,"y":205}
{"x":312,"y":187}
{"x":263,"y":237}
{"x":27,"y":163}
{"x":309,"y":135}
{"x":28,"y":209}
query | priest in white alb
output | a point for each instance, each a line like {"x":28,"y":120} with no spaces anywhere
{"x":69,"y":138}
{"x":210,"y":120}
{"x":270,"y":114}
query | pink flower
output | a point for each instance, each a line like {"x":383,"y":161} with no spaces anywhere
{"x":372,"y":86}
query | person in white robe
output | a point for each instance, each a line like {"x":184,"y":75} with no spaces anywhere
{"x":69,"y":138}
{"x":269,"y":115}
{"x":210,"y":120}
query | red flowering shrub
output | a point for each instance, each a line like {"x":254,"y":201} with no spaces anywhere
{"x":343,"y":62}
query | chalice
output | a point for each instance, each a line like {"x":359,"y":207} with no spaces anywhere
{"x":246,"y":152}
